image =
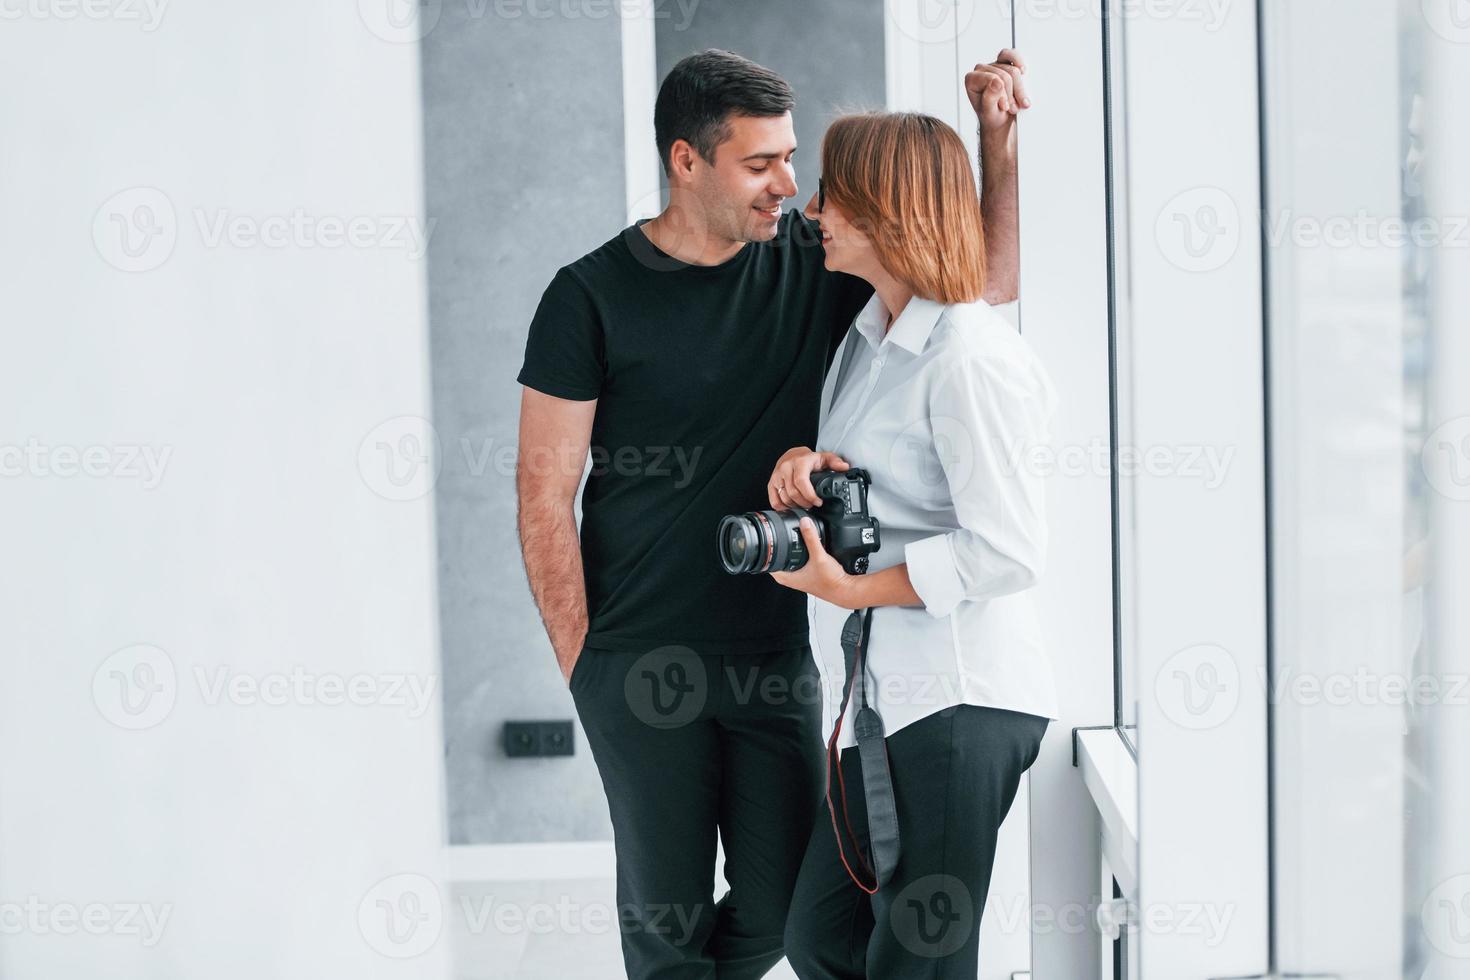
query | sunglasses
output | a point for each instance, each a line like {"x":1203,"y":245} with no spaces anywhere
{"x":821,"y":196}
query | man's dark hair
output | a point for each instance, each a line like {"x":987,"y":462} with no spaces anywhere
{"x":699,"y":95}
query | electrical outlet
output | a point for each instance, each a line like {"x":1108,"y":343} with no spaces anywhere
{"x":525,"y":739}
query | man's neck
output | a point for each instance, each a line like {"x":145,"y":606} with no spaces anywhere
{"x":690,"y":242}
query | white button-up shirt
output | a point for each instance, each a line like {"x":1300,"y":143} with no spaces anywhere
{"x":944,"y":412}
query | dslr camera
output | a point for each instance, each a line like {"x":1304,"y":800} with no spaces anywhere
{"x":770,"y":540}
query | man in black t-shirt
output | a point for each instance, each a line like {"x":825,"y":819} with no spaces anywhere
{"x":686,"y":354}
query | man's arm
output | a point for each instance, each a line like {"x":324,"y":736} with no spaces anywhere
{"x":997,"y":95}
{"x":554,"y":438}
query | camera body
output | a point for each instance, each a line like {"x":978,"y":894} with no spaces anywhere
{"x":770,"y":540}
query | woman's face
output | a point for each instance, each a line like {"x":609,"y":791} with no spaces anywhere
{"x":848,"y":248}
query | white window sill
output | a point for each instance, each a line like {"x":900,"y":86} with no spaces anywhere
{"x":1111,"y":776}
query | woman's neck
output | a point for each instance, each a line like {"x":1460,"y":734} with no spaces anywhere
{"x":893,"y":294}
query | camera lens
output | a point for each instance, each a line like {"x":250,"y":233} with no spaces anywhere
{"x":762,"y":541}
{"x":740,"y":543}
{"x":736,"y":546}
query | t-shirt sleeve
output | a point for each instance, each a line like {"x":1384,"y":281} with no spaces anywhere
{"x":565,"y":354}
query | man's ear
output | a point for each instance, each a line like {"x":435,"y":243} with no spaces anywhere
{"x":682,"y":159}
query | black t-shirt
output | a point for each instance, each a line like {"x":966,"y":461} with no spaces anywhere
{"x":704,"y":376}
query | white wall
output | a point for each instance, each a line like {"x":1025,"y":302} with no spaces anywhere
{"x":1200,"y":579}
{"x":1064,"y":317}
{"x":1449,"y":615}
{"x":263,"y":545}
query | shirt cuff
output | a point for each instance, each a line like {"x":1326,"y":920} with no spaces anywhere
{"x":933,"y":574}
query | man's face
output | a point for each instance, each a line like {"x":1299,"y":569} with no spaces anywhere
{"x":741,"y":192}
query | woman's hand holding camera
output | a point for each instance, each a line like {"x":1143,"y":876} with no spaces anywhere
{"x":822,"y":575}
{"x":791,"y":482}
{"x":791,"y":486}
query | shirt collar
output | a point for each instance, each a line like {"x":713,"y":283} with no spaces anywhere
{"x":912,"y":329}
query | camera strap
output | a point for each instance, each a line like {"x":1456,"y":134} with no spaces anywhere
{"x":873,"y":754}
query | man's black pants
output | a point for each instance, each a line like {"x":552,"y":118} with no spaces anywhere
{"x":955,"y":774}
{"x":687,"y":743}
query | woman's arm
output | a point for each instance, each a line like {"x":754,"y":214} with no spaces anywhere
{"x":999,"y":548}
{"x":822,"y":576}
{"x":890,"y":587}
{"x":1002,"y":403}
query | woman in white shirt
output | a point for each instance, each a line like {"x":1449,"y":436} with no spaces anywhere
{"x":938,"y":398}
